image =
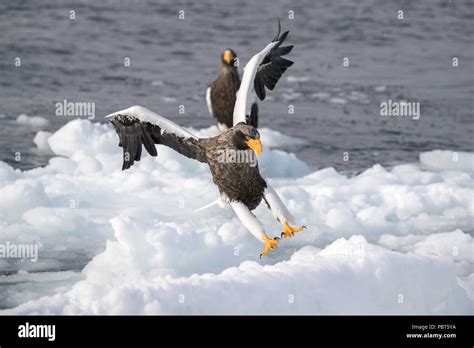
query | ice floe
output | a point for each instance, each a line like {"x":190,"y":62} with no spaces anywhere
{"x":395,"y":240}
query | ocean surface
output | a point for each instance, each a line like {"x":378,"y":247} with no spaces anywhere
{"x":172,"y":60}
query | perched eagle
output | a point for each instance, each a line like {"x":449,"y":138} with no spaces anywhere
{"x":221,"y":94}
{"x":239,"y":182}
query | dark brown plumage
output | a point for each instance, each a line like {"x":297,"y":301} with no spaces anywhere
{"x":223,"y":92}
{"x":241,"y":182}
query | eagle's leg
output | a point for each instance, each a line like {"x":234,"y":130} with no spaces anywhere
{"x":281,"y":213}
{"x":270,"y":244}
{"x":290,"y":231}
{"x":254,"y":226}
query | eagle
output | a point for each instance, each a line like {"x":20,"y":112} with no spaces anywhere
{"x":221,"y":94}
{"x":239,"y":181}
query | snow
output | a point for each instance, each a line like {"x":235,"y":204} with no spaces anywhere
{"x":387,"y":241}
{"x":297,"y":79}
{"x":32,"y":121}
{"x":347,"y":277}
{"x":338,"y":100}
{"x":448,"y":160}
{"x":41,"y":142}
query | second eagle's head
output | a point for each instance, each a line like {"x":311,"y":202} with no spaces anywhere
{"x":244,"y":137}
{"x":229,"y":57}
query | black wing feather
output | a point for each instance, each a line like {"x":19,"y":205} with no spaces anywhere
{"x":148,"y":141}
{"x":272,"y":66}
{"x":133,"y":133}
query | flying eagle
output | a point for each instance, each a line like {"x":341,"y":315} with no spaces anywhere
{"x":239,"y":182}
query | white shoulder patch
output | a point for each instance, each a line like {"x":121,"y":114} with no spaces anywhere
{"x":209,"y":101}
{"x":145,"y":115}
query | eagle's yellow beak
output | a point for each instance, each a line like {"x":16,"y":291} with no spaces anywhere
{"x":228,"y":57}
{"x":256,"y":145}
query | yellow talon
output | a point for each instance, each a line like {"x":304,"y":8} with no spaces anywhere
{"x":290,"y":231}
{"x":270,"y":244}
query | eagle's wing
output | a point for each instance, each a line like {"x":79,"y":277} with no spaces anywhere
{"x":137,"y":126}
{"x":263,"y":70}
{"x":208,"y":100}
